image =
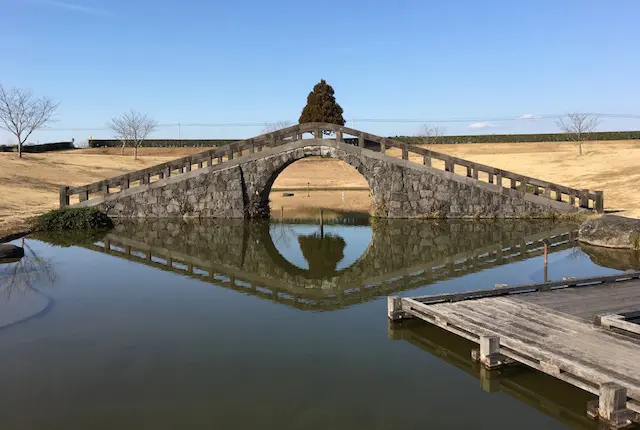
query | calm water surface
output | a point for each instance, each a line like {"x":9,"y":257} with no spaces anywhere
{"x":167,"y":324}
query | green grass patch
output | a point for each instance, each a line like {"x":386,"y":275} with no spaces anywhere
{"x":73,"y":219}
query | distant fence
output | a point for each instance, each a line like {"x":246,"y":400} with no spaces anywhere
{"x":45,"y":147}
{"x":518,"y":138}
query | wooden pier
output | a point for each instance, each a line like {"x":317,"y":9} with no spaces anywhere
{"x":581,"y":331}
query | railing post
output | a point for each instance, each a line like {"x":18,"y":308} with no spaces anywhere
{"x":187,"y":167}
{"x":405,"y":154}
{"x":199,"y":164}
{"x":490,"y":178}
{"x":273,"y":141}
{"x":475,"y":173}
{"x":361,"y":141}
{"x":64,"y":196}
{"x":572,"y":198}
{"x":547,"y":191}
{"x":167,"y":172}
{"x":426,"y":160}
{"x":339,"y":136}
{"x":468,"y":172}
{"x":584,"y":199}
{"x":449,"y":166}
{"x":523,"y":185}
{"x":319,"y":133}
{"x":83,"y":195}
{"x":499,"y":180}
{"x":210,"y":160}
{"x":124,"y":185}
{"x":513,"y":183}
{"x":598,"y":205}
{"x":230,"y":154}
{"x":252,"y":148}
{"x":105,"y":189}
{"x":383,"y":147}
{"x":558,"y":196}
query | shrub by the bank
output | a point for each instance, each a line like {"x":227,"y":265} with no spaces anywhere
{"x":73,"y":219}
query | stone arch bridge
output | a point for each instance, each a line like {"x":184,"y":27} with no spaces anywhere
{"x":406,"y":181}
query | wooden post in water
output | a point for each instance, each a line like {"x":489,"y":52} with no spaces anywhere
{"x":611,"y":406}
{"x":321,"y":223}
{"x":281,"y":212}
{"x":489,"y":352}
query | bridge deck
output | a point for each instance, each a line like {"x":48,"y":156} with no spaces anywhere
{"x":552,"y":331}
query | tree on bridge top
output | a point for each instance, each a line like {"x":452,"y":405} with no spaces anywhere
{"x":322,"y":106}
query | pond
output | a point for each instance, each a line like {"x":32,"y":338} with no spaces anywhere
{"x":231,"y":324}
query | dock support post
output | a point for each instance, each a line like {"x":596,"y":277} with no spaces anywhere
{"x":611,"y":406}
{"x":489,"y":352}
{"x":394,"y":309}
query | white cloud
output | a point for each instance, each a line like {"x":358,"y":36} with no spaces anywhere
{"x":477,"y":125}
{"x":89,"y":10}
{"x":529,"y":116}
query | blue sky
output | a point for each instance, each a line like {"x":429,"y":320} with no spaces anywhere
{"x":255,"y":61}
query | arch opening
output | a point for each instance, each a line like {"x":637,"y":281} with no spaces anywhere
{"x":301,"y":188}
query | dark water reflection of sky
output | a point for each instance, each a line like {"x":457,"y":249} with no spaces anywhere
{"x":119,"y":344}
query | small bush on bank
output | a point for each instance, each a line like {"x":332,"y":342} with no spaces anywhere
{"x":73,"y":219}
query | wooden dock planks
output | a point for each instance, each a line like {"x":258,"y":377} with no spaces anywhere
{"x":549,"y":330}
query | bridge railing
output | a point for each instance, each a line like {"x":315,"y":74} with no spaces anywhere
{"x":583,"y":198}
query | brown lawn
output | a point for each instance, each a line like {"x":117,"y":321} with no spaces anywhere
{"x":29,"y":186}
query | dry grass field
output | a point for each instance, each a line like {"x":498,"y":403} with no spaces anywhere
{"x":29,"y":186}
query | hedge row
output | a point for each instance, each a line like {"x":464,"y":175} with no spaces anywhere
{"x":485,"y":138}
{"x":45,"y":147}
{"x":509,"y":138}
{"x":163,"y":143}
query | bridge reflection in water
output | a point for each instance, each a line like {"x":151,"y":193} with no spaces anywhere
{"x":401,"y":255}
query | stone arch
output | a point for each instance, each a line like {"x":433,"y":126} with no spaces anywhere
{"x":260,"y":175}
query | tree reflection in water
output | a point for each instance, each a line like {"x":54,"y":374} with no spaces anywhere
{"x":322,"y":252}
{"x":18,"y":277}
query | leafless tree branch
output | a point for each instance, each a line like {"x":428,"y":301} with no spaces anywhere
{"x":270,"y":127}
{"x":578,"y":126}
{"x":21,"y":113}
{"x":430,"y":134}
{"x":132,"y":128}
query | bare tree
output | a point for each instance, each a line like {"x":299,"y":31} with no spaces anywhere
{"x":132,"y":128}
{"x":270,"y":127}
{"x":578,"y":126}
{"x":21,"y":113}
{"x":430,"y":134}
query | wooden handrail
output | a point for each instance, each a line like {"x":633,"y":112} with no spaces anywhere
{"x":593,"y":200}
